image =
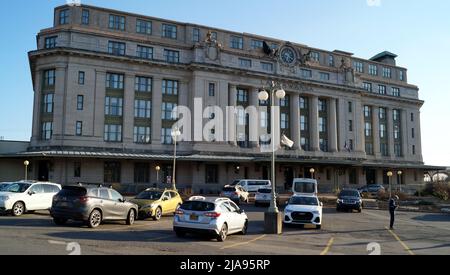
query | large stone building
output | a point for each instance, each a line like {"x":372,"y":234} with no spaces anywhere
{"x":106,"y":81}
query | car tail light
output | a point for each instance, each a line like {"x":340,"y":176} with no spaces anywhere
{"x":83,"y":199}
{"x":213,"y":215}
{"x":236,"y":193}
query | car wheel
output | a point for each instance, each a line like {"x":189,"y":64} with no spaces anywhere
{"x":95,"y":219}
{"x":59,"y":221}
{"x":223,"y":233}
{"x":360,"y":210}
{"x":245,"y":228}
{"x":180,"y":234}
{"x":131,"y":217}
{"x":318,"y":227}
{"x":18,"y":209}
{"x":158,"y":214}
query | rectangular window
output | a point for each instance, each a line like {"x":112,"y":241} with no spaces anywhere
{"x":303,"y":123}
{"x":367,"y":111}
{"x":169,"y":31}
{"x":315,"y":56}
{"x":245,"y":63}
{"x":387,"y":73}
{"x":116,"y":22}
{"x":80,"y":103}
{"x":50,"y":42}
{"x":373,"y":69}
{"x":114,"y":81}
{"x":284,"y":102}
{"x":142,"y":173}
{"x":116,"y":48}
{"x":211,"y":174}
{"x":358,"y":66}
{"x":85,"y":17}
{"x":242,"y":95}
{"x":384,"y":149}
{"x":48,"y":103}
{"x":304,"y":143}
{"x":170,"y":87}
{"x":367,"y":86}
{"x":322,"y":125}
{"x":401,"y":75}
{"x":369,"y":148}
{"x":112,"y":172}
{"x":322,"y":105}
{"x":413,"y":133}
{"x":306,"y":73}
{"x":396,"y":115}
{"x":113,"y":133}
{"x":303,"y":103}
{"x":144,"y":52}
{"x":172,"y":56}
{"x":350,"y":125}
{"x":113,"y":106}
{"x":331,"y":60}
{"x":143,"y":84}
{"x":268,"y":67}
{"x":350,"y":145}
{"x":237,"y":42}
{"x":324,"y":76}
{"x":79,"y":128}
{"x":396,"y":132}
{"x":383,"y":131}
{"x":398,"y":150}
{"x":196,"y":35}
{"x":166,"y":136}
{"x":142,"y":108}
{"x":323,"y":145}
{"x":412,"y":117}
{"x":81,"y":78}
{"x":143,"y":26}
{"x":264,"y":119}
{"x":64,"y":17}
{"x":212,"y":89}
{"x":414,"y":149}
{"x":167,"y":108}
{"x":77,"y":169}
{"x":381,"y":89}
{"x":350,"y":107}
{"x":49,"y":78}
{"x":284,"y":121}
{"x":47,"y":130}
{"x":256,"y":44}
{"x":142,"y":135}
{"x":395,"y":91}
{"x":382,"y":113}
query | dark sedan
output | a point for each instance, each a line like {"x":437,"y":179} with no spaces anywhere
{"x":349,"y":199}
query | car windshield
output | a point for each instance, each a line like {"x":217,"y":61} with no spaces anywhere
{"x":303,"y":201}
{"x":149,"y":195}
{"x":349,"y":193}
{"x":264,"y":191}
{"x":229,"y":189}
{"x":3,"y":186}
{"x":305,"y":187}
{"x":198,"y":206}
{"x":17,"y":187}
{"x":73,"y":191}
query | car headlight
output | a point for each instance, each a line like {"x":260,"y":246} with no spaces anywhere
{"x":149,"y":206}
{"x":288,"y":210}
{"x":340,"y":201}
{"x":4,"y":198}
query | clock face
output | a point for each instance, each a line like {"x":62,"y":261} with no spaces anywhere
{"x":288,"y":56}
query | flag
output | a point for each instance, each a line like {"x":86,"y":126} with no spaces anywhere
{"x":286,"y":141}
{"x":266,"y":48}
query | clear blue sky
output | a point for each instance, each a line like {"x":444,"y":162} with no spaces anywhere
{"x":418,"y":31}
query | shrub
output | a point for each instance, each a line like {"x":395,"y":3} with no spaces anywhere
{"x":438,"y":190}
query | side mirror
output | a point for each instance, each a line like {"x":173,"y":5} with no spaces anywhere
{"x":122,"y":200}
{"x":164,"y":199}
{"x":321,"y":204}
{"x":286,"y":202}
{"x":31,"y":193}
{"x":240,"y":211}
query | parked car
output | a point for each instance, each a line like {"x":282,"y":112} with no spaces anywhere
{"x":372,"y":190}
{"x":305,"y":186}
{"x":235,"y":193}
{"x":154,"y":203}
{"x":218,"y":217}
{"x":303,"y":210}
{"x":349,"y":199}
{"x":92,"y":205}
{"x":252,"y":186}
{"x":264,"y":196}
{"x":3,"y":185}
{"x":26,"y":196}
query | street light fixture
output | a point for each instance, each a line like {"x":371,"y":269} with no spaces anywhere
{"x":390,"y":174}
{"x":26,"y":163}
{"x":312,"y":171}
{"x":157,"y":168}
{"x":273,"y":218}
{"x":400,"y":173}
{"x":175,"y":134}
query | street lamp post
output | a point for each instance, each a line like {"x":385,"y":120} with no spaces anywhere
{"x":175,"y":134}
{"x":400,"y":173}
{"x":157,"y":168}
{"x":273,"y":217}
{"x":312,"y":171}
{"x":390,"y":174}
{"x":26,"y":163}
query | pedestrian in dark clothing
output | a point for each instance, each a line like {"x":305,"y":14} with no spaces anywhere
{"x":392,"y":207}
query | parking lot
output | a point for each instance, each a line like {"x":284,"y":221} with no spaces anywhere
{"x":342,"y":234}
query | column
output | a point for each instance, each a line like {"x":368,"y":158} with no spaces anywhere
{"x":405,"y":133}
{"x":390,"y":120}
{"x":295,"y":121}
{"x":314,"y":124}
{"x":156,"y":110}
{"x":37,"y":105}
{"x":376,"y":131}
{"x":359,"y":128}
{"x":254,"y":121}
{"x":59,"y":102}
{"x":232,"y":102}
{"x":128,"y":109}
{"x":99,"y":104}
{"x":418,"y":136}
{"x":342,"y":124}
{"x":332,"y":127}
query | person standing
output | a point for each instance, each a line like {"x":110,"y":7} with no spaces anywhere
{"x":393,"y":205}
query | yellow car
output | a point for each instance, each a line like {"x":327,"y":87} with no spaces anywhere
{"x":154,"y":203}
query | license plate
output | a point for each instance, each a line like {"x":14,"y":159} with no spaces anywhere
{"x":64,"y":204}
{"x":194,"y":218}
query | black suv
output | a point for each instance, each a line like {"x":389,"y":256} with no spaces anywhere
{"x":349,"y":199}
{"x":92,"y":205}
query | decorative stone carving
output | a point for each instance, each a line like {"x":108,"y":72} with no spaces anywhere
{"x":212,"y":48}
{"x":348,"y":71}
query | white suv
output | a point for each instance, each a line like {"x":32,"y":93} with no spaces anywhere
{"x":22,"y":196}
{"x":304,"y":209}
{"x":218,"y":217}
